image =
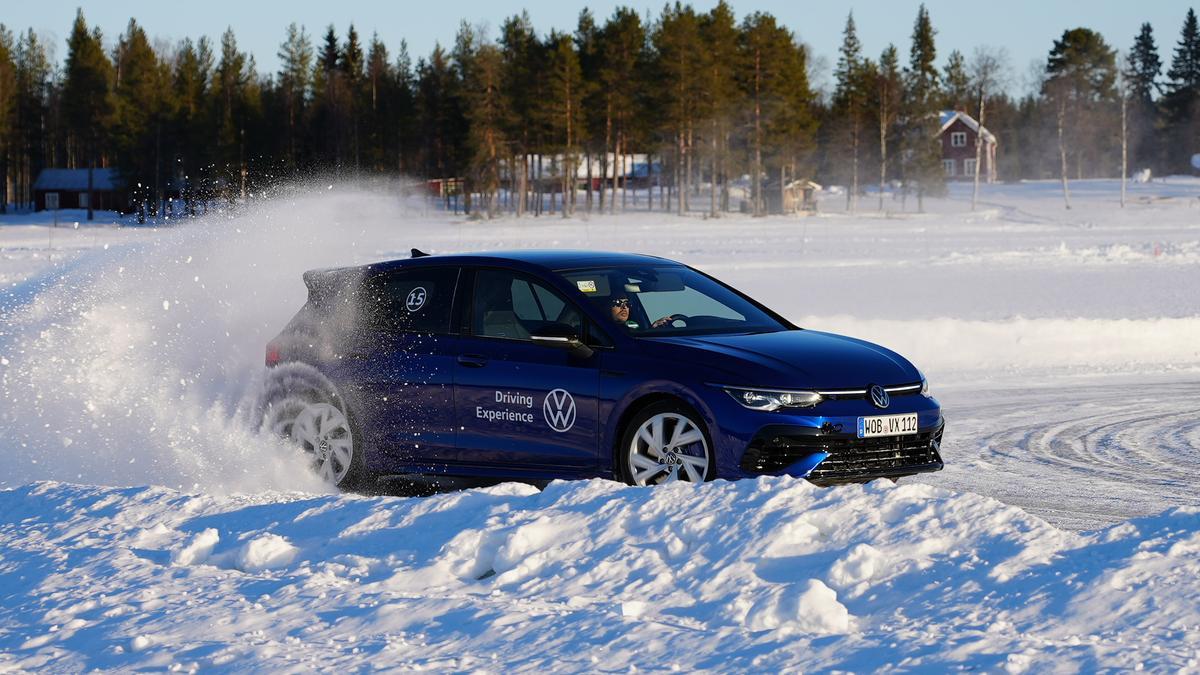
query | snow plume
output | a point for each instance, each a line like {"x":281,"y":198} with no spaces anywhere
{"x":133,"y":364}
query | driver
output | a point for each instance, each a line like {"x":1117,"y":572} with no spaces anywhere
{"x":620,"y":308}
{"x":620,"y":312}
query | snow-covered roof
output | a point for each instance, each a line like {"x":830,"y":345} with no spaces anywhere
{"x":103,"y":180}
{"x":948,"y":116}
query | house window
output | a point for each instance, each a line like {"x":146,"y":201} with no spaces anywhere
{"x":969,"y":167}
{"x":958,"y":139}
{"x":83,"y":200}
{"x":948,"y":165}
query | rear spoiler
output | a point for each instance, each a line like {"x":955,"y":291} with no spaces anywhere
{"x":324,"y":284}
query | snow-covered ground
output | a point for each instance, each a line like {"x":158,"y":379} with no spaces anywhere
{"x":1063,"y":534}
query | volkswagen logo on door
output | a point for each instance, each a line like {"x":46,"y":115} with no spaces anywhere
{"x":415,"y":299}
{"x":559,"y":410}
{"x":879,"y":396}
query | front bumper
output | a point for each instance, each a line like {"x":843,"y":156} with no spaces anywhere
{"x":850,"y":459}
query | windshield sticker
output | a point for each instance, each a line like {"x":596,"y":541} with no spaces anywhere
{"x":586,"y":286}
{"x":633,"y":288}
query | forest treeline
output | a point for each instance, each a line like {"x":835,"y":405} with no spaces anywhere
{"x":711,"y":99}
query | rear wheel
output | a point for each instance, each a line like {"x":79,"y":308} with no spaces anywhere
{"x":315,"y":420}
{"x":664,"y":443}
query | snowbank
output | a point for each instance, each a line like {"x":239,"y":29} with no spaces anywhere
{"x":949,"y":346}
{"x":764,"y":575}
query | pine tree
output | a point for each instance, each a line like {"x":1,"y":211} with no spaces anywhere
{"x":295,"y":75}
{"x":1080,"y":85}
{"x":378,"y":101}
{"x":957,"y":87}
{"x":438,"y":116}
{"x":791,"y":131}
{"x":487,"y":113}
{"x":563,"y":109}
{"x":328,"y":94}
{"x":624,"y":41}
{"x":922,"y":96}
{"x":235,"y":100}
{"x":350,"y":65}
{"x":1142,"y":79}
{"x":772,"y":76}
{"x":1145,"y":66}
{"x":678,"y":62}
{"x":403,"y":111}
{"x":718,"y":30}
{"x":87,"y":98}
{"x":849,"y":101}
{"x":8,"y":109}
{"x":141,"y":111}
{"x":587,"y":45}
{"x":522,"y":62}
{"x":191,"y":125}
{"x":1181,"y":103}
{"x":35,"y":131}
{"x":1185,"y":66}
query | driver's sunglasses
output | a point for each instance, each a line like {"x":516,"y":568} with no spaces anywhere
{"x":621,"y":302}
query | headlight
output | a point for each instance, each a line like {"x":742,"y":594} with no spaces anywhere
{"x":768,"y":400}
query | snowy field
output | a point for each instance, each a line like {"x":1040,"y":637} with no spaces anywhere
{"x":144,"y":525}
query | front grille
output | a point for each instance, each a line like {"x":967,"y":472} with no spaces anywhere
{"x":861,"y":394}
{"x":850,"y":458}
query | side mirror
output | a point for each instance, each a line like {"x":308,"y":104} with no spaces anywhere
{"x":561,"y":336}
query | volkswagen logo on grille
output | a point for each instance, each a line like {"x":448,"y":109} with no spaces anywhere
{"x":559,"y":410}
{"x":879,"y":396}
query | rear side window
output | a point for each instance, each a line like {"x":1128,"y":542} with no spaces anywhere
{"x":510,"y":305}
{"x":417,"y":300}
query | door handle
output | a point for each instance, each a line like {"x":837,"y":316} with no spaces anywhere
{"x":473,"y":360}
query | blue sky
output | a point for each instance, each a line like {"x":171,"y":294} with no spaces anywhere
{"x":1025,"y":28}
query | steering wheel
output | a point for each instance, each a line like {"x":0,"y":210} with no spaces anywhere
{"x":670,"y":319}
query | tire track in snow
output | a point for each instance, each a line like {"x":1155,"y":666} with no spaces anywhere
{"x":1080,"y":455}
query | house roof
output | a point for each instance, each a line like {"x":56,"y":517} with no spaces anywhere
{"x":103,"y":180}
{"x":948,"y":116}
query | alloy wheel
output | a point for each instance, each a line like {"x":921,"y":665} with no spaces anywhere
{"x":321,"y":430}
{"x":666,"y":448}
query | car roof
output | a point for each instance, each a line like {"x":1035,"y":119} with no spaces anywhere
{"x":550,"y":259}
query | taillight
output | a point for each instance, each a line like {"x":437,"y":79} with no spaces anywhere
{"x":272,"y":354}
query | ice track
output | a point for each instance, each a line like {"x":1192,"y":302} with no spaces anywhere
{"x":1115,"y":451}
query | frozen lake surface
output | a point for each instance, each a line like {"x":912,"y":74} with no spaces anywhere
{"x":145,"y":525}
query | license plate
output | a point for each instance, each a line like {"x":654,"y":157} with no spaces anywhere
{"x":887,"y":425}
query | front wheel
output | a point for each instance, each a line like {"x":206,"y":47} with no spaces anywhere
{"x":665,"y":443}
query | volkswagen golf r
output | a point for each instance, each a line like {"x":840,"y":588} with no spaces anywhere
{"x":536,"y":365}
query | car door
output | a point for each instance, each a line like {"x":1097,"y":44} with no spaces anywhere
{"x":399,"y":358}
{"x":523,"y":408}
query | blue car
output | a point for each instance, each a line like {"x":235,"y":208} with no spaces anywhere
{"x":536,"y":365}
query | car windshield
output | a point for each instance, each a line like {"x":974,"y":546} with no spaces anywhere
{"x":662,"y":301}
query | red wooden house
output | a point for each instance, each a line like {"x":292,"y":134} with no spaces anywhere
{"x":958,"y":134}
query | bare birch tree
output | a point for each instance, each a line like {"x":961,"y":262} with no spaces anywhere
{"x":1123,"y":92}
{"x":988,"y":71}
{"x":890,"y":88}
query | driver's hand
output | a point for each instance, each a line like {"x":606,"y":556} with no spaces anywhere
{"x":662,"y":322}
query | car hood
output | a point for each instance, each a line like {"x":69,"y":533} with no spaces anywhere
{"x":791,"y":359}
